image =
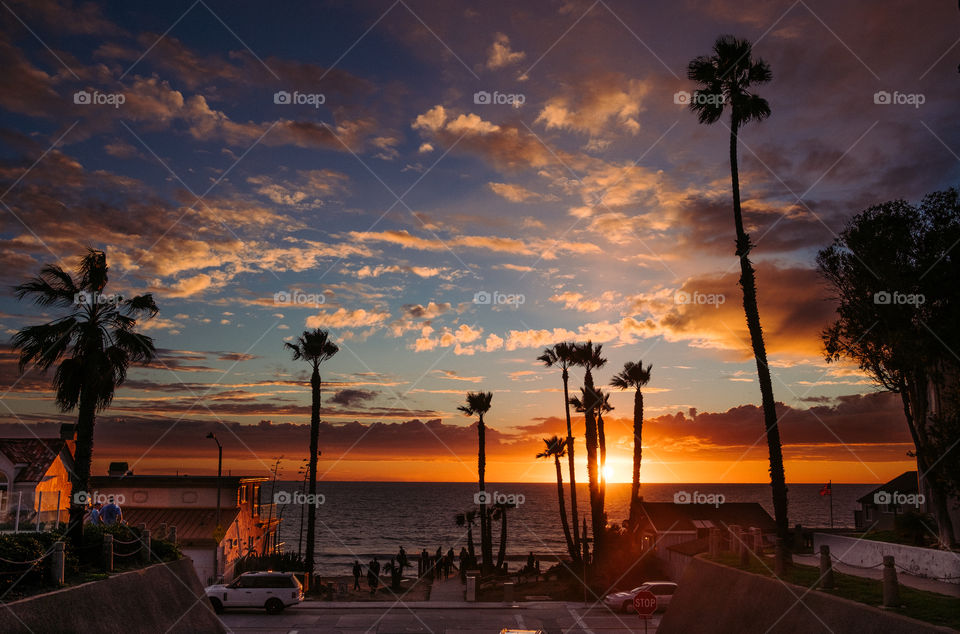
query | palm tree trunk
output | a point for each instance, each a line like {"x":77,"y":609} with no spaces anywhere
{"x":637,"y":457}
{"x":602,"y":442}
{"x":80,"y":476}
{"x":573,"y":475}
{"x":312,"y":475}
{"x":748,"y":284}
{"x":596,"y":502}
{"x":502,"y":552}
{"x":571,"y":545}
{"x":486,"y":543}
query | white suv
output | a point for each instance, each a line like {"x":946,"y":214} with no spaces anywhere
{"x":272,"y":591}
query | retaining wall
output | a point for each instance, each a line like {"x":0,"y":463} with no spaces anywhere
{"x":921,"y":562}
{"x":718,"y":599}
{"x":160,"y":598}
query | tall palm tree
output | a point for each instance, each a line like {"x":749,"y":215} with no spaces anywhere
{"x":556,"y":449}
{"x":603,"y":406}
{"x":467,"y":519}
{"x":588,"y":356}
{"x":314,"y":347}
{"x":94,"y":342}
{"x":726,"y":77}
{"x":562,"y":355}
{"x":635,"y":376}
{"x":478,"y":404}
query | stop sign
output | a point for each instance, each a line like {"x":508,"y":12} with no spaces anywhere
{"x":645,"y":603}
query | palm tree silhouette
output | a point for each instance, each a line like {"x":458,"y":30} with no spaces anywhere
{"x":603,"y":406}
{"x":726,"y":77}
{"x":478,"y":404}
{"x":562,"y":355}
{"x":314,"y":347}
{"x":499,"y":512}
{"x":94,"y":342}
{"x":635,"y":376}
{"x":556,"y":449}
{"x":467,"y":519}
{"x":588,"y":356}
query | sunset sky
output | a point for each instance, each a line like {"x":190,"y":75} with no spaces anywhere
{"x":391,"y":210}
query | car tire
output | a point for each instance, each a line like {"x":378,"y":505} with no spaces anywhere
{"x":274,"y":606}
{"x":627,"y":606}
{"x":217,"y":606}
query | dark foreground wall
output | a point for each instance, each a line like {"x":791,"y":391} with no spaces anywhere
{"x":714,"y":598}
{"x":161,"y":598}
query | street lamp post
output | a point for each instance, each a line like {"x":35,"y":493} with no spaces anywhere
{"x":216,"y":557}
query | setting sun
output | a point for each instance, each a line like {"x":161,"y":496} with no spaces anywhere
{"x":608,"y":473}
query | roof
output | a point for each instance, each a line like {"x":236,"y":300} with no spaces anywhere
{"x":163,"y":481}
{"x":195,"y":526}
{"x":906,"y":483}
{"x":671,"y":517}
{"x":37,"y":454}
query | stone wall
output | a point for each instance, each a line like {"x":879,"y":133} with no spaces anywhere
{"x":921,"y":562}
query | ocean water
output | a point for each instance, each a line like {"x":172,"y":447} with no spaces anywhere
{"x":358,"y":520}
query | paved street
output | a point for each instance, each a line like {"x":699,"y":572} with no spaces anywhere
{"x":553,"y":617}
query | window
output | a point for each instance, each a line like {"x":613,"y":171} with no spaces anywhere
{"x":663,"y":590}
{"x":243,"y":494}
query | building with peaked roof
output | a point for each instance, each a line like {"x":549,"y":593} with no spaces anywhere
{"x":189,"y":503}
{"x":665,"y":524}
{"x":879,"y":508}
{"x":35,"y":479}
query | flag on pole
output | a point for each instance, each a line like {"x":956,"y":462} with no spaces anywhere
{"x":827,"y":489}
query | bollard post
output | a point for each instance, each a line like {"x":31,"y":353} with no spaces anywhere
{"x":734,"y":531}
{"x":57,"y":564}
{"x":779,"y":557}
{"x":714,"y":542}
{"x":826,"y":568}
{"x":172,"y":536}
{"x":108,"y":552}
{"x":145,"y":547}
{"x":471,"y":586}
{"x":891,"y":589}
{"x":508,"y":592}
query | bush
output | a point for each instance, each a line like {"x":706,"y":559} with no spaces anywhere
{"x":915,"y":527}
{"x":283,"y":562}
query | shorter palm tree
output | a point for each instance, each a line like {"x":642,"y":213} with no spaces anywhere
{"x":635,"y":376}
{"x":467,"y":519}
{"x":499,"y":512}
{"x":478,"y":404}
{"x":314,"y":347}
{"x":556,"y":449}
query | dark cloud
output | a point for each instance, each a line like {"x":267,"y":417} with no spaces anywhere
{"x":351,"y":397}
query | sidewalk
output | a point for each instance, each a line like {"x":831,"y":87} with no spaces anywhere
{"x":918,"y":583}
{"x":448,"y":590}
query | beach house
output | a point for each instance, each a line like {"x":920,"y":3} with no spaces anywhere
{"x":191,"y":505}
{"x":665,"y":524}
{"x":35,"y":479}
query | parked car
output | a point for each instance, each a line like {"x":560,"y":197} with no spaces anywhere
{"x":623,"y":601}
{"x":270,"y":590}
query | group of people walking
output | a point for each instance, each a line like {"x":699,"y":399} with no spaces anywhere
{"x":438,"y":566}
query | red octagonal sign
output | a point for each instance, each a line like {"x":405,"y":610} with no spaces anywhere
{"x":645,"y":603}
